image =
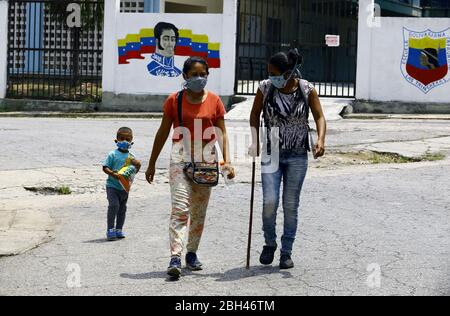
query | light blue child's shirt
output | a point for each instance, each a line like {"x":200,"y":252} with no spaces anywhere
{"x":115,"y":161}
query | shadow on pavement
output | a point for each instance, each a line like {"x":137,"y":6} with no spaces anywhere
{"x":148,"y":276}
{"x":228,"y":276}
{"x":97,"y":241}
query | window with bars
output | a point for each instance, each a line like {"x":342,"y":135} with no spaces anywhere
{"x":132,"y":6}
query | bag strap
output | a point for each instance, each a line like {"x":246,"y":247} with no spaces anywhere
{"x":305,"y":98}
{"x":267,"y":98}
{"x":186,"y":143}
{"x":309,"y":139}
{"x":180,"y":107}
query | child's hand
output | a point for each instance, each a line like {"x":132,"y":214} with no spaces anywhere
{"x":115,"y":175}
{"x":136,"y":163}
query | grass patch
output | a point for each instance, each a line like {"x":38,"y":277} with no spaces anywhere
{"x":373,"y":158}
{"x":64,"y":190}
{"x":388,"y":158}
{"x":433,"y":157}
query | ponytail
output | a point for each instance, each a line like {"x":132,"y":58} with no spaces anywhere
{"x":287,"y":61}
{"x":294,"y":58}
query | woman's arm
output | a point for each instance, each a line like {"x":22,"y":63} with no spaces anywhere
{"x":225,"y":146}
{"x":321,"y":123}
{"x":255,"y":120}
{"x":158,"y":145}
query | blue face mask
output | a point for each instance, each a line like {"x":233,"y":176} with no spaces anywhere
{"x":124,"y":145}
{"x":196,"y":84}
{"x":278,"y":81}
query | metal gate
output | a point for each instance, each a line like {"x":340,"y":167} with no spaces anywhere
{"x":269,"y":26}
{"x":55,"y":50}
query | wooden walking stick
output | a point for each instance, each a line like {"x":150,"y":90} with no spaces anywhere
{"x":252,"y":201}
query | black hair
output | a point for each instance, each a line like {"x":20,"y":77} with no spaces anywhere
{"x":432,"y":55}
{"x":159,"y":29}
{"x":189,"y":63}
{"x":124,"y":130}
{"x":286,"y":61}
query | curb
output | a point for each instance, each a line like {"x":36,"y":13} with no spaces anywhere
{"x":436,"y":117}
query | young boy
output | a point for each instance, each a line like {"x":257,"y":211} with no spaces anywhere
{"x":120,"y":166}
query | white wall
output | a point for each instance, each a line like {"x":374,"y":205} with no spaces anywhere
{"x":3,"y":46}
{"x":380,"y":52}
{"x":110,"y":52}
{"x":134,"y":77}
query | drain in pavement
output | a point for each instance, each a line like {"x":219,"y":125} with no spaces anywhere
{"x":63,"y":190}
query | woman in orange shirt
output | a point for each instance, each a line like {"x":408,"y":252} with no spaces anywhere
{"x":203,"y":117}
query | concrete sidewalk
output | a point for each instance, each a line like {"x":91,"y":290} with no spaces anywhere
{"x":24,"y":224}
{"x":332,"y":109}
{"x":362,"y":116}
{"x":410,"y":149}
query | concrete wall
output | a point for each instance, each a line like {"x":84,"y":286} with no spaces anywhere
{"x":131,"y":86}
{"x":3,"y":47}
{"x":383,"y":52}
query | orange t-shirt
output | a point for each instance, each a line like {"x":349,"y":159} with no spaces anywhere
{"x":196,"y":117}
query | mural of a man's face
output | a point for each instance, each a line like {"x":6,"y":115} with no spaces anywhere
{"x":167,"y":42}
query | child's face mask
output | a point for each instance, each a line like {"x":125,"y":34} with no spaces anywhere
{"x":124,"y":145}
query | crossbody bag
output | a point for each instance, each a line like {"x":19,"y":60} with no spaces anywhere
{"x":201,"y":173}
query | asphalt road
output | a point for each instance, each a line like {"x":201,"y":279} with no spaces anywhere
{"x":364,"y":230}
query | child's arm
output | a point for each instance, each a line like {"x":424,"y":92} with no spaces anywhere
{"x":110,"y":172}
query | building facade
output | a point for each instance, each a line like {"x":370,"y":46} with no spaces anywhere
{"x":238,"y":37}
{"x":414,"y":8}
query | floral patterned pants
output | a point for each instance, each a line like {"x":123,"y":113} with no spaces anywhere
{"x":189,"y":205}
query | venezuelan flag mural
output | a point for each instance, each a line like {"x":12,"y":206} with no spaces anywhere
{"x":426,"y":58}
{"x":164,"y":42}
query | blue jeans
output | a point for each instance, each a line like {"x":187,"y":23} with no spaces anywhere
{"x":292,"y":171}
{"x":117,"y":209}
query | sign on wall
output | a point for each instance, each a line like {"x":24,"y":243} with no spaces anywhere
{"x":333,"y":40}
{"x":426,"y":58}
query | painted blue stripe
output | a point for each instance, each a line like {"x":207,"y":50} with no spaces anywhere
{"x":200,"y":47}
{"x":183,"y":41}
{"x":443,"y":57}
{"x":415,"y":54}
{"x":213,"y":54}
{"x":133,"y":46}
{"x":148,"y":41}
{"x":122,"y":51}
